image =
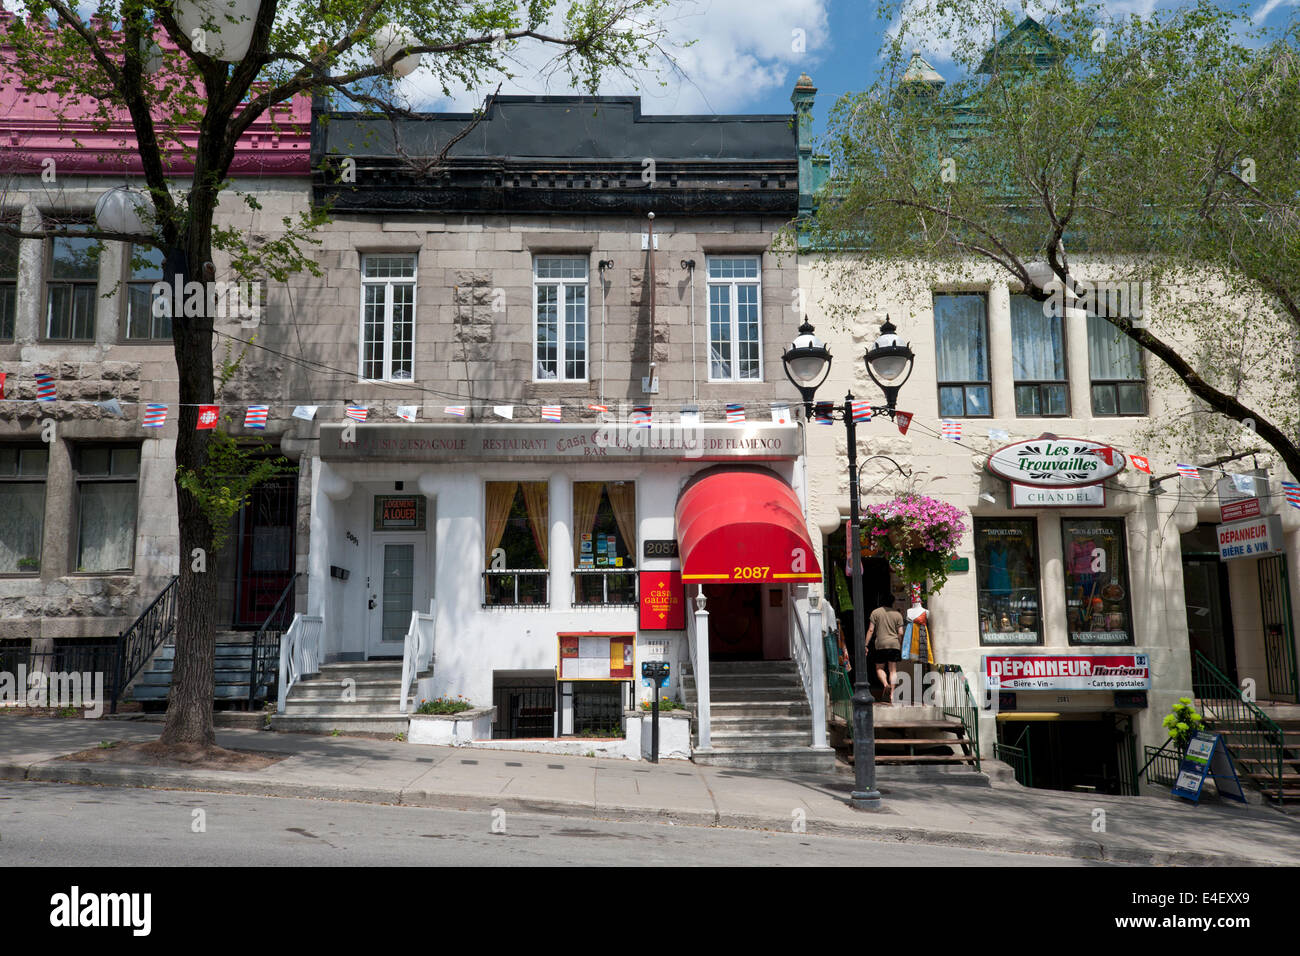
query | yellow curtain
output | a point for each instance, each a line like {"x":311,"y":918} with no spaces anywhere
{"x":586,"y":502}
{"x":535,"y":497}
{"x":500,"y":496}
{"x":622,"y":498}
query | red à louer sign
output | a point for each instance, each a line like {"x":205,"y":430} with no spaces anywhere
{"x":1068,"y":672}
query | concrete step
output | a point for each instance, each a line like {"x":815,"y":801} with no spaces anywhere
{"x":789,"y":759}
{"x":220,"y":692}
{"x":760,"y":740}
{"x":333,"y":690}
{"x":758,"y":708}
{"x":369,"y":670}
{"x":390,"y":723}
{"x":768,"y":682}
{"x":787,"y":725}
{"x":740,"y":695}
{"x":323,"y":708}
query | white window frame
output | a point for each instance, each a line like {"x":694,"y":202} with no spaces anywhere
{"x":561,"y":342}
{"x":388,"y":283}
{"x":734,"y":308}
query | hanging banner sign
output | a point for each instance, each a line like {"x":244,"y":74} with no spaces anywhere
{"x":663,"y":601}
{"x":1068,"y":672}
{"x":1050,"y":462}
{"x":1250,"y":539}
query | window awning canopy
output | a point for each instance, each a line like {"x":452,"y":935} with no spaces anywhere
{"x":744,"y":527}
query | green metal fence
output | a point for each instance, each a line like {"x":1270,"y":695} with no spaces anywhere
{"x":958,"y":702}
{"x":1017,"y":755}
{"x":1253,"y":739}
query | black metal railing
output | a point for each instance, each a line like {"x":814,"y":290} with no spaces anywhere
{"x":515,"y":588}
{"x":72,"y":673}
{"x":604,"y":586}
{"x":1018,"y":756}
{"x":155,"y":626}
{"x":524,"y":711}
{"x":1162,"y":763}
{"x":264,"y":659}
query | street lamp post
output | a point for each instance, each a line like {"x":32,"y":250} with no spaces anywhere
{"x":889,"y":363}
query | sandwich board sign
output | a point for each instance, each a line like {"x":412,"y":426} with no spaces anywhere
{"x":1207,"y":758}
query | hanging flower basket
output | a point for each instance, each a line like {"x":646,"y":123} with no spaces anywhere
{"x":919,"y":536}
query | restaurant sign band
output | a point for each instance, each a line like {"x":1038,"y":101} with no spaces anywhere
{"x":1051,"y":472}
{"x":1067,"y":672}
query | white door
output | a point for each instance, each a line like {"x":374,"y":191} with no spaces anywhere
{"x":396,"y":587}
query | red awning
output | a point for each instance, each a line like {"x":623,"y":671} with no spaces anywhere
{"x":744,"y":526}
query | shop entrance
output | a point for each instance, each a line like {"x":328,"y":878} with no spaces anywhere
{"x":735,"y":621}
{"x":1206,"y":597}
{"x":1086,"y":753}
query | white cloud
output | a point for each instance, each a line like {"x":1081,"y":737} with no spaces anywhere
{"x":741,"y":50}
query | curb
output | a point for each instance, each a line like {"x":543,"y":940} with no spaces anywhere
{"x":213,"y":782}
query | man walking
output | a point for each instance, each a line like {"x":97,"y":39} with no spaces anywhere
{"x":886,"y":629}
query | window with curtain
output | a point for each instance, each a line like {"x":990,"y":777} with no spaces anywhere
{"x":1006,"y":573}
{"x":961,"y":337}
{"x":735,"y":333}
{"x":22,"y":507}
{"x":604,"y":542}
{"x":1118,"y":381}
{"x":1097,"y":603}
{"x":8,"y":283}
{"x":388,"y":317}
{"x":517,"y":543}
{"x":1038,"y":360}
{"x":107,"y":492}
{"x":560,"y":318}
{"x":144,"y":267}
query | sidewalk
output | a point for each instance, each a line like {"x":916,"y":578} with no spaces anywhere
{"x":1004,"y":817}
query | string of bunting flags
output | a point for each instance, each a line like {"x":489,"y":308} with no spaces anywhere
{"x":256,"y":416}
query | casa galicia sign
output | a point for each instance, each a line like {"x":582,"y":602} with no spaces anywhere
{"x":1050,"y":462}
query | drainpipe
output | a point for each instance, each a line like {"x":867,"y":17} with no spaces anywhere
{"x":649,"y":385}
{"x":602,"y":266}
{"x":689,"y":266}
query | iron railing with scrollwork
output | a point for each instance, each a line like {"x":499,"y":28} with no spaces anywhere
{"x":136,"y":645}
{"x":264,"y":660}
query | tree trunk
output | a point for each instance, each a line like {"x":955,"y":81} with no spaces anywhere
{"x":189,"y":707}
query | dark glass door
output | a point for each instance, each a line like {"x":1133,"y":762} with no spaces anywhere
{"x":265,"y":546}
{"x":1209,"y":612}
{"x":735,"y":621}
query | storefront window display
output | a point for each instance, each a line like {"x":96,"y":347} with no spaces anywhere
{"x":1006,"y":564}
{"x":1097,"y":605}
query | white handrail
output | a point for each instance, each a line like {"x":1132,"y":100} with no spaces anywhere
{"x":299,"y":653}
{"x":810,"y":659}
{"x":417,"y":653}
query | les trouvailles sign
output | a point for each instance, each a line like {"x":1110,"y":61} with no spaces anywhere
{"x":1051,"y":462}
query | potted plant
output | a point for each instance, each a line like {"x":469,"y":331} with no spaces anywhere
{"x":918,"y":534}
{"x":1182,"y":723}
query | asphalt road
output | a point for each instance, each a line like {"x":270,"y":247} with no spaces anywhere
{"x":44,"y":824}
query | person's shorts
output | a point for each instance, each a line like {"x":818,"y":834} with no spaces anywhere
{"x":893,"y":654}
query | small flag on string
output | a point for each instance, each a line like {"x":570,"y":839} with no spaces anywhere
{"x":641,"y":416}
{"x":154,"y":416}
{"x":1106,"y":454}
{"x":44,"y":387}
{"x":951,"y":430}
{"x":1244,"y":483}
{"x":1188,"y":471}
{"x":112,"y":406}
{"x":1140,"y":463}
{"x":504,"y":411}
{"x":305,"y":412}
{"x":999,"y":434}
{"x":735,"y":413}
{"x":1292,"y":492}
{"x":780,"y":413}
{"x":208,"y":415}
{"x":255,"y":417}
{"x":690,"y":415}
{"x":550,"y":413}
{"x":2,"y":384}
{"x":407,"y":413}
{"x":357,"y":412}
{"x":599,"y":408}
{"x":822,"y":413}
{"x":457,"y":410}
{"x":861,"y":411}
{"x":903,"y":419}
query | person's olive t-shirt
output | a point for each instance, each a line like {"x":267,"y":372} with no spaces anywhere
{"x":888,"y":623}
